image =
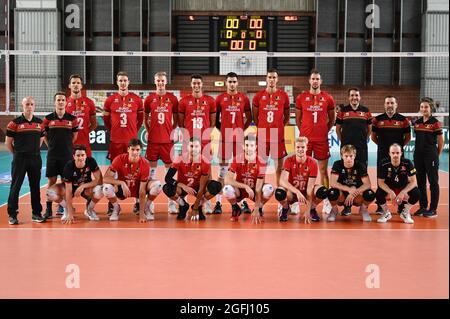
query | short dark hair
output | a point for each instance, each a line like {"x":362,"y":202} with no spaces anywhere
{"x":75,"y":76}
{"x":134,"y":142}
{"x":314,"y":71}
{"x":272,"y":70}
{"x":231,"y":75}
{"x":196,"y":76}
{"x":59,"y":93}
{"x":428,"y":100}
{"x":391,"y":97}
{"x":353,"y":89}
{"x":78,"y":147}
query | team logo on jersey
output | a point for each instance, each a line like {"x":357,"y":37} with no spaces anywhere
{"x":396,"y":123}
{"x":277,"y":98}
{"x":264,"y":98}
{"x":381,"y":123}
{"x":307,"y":99}
{"x":22,"y":126}
{"x":204,"y":103}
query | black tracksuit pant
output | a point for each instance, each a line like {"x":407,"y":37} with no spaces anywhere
{"x":427,"y":165}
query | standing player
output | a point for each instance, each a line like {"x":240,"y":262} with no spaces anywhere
{"x":354,"y":127}
{"x":397,"y":179}
{"x":246,"y":179}
{"x":24,"y":137}
{"x":197,"y":114}
{"x":315,"y":117}
{"x":83,"y":108}
{"x":429,"y":146}
{"x":350,"y":184}
{"x":161,"y":117}
{"x":389,"y":128}
{"x":232,"y":119}
{"x":60,"y":133}
{"x":77,"y":177}
{"x":128,"y":176}
{"x":193,"y":174}
{"x":298,"y":183}
{"x":123,"y":114}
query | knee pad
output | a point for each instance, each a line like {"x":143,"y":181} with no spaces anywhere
{"x":97,"y":192}
{"x":333,"y":194}
{"x":229,"y":192}
{"x":368,"y":195}
{"x":52,"y":195}
{"x":267,"y":190}
{"x":155,"y":188}
{"x":322,"y":192}
{"x":280,"y":194}
{"x":169,"y":190}
{"x":214,"y":187}
{"x":108,"y":191}
{"x":414,"y":196}
{"x":380,"y":195}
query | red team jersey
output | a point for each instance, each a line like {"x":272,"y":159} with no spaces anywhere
{"x":124,"y":116}
{"x":82,"y":108}
{"x":131,"y":173}
{"x":314,"y":110}
{"x":299,"y":174}
{"x":161,"y":109}
{"x":248,"y":172}
{"x":189,"y":173}
{"x":232,"y":109}
{"x":196,"y":114}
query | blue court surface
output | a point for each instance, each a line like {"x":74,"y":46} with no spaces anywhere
{"x":100,"y":156}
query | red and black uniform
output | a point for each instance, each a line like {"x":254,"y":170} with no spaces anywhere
{"x":300,"y":173}
{"x":59,"y":133}
{"x":247,"y":172}
{"x":314,"y":109}
{"x":26,"y":160}
{"x":350,"y":177}
{"x":230,"y":114}
{"x":77,"y":176}
{"x":426,"y":159}
{"x":190,"y":173}
{"x":131,"y":173}
{"x":161,"y":109}
{"x":82,"y":108}
{"x":354,"y":129}
{"x":271,"y":109}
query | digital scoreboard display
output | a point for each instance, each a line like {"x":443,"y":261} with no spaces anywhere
{"x":243,"y":33}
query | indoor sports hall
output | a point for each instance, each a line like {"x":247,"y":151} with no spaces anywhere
{"x":384,"y":48}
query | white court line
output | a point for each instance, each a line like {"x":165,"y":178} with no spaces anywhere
{"x":12,"y":228}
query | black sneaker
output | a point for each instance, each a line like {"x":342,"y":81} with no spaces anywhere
{"x":48,"y":213}
{"x":245,"y":208}
{"x":60,"y":210}
{"x":420,"y":212}
{"x":201,"y":216}
{"x":430,"y":214}
{"x":37,"y":218}
{"x":182,"y":211}
{"x":284,"y":215}
{"x":379,"y":210}
{"x":235,"y":213}
{"x":261,"y":213}
{"x":217,"y":208}
{"x":314,"y":216}
{"x":400,"y":208}
{"x":12,"y":220}
{"x":346,"y":211}
{"x":136,"y":208}
{"x":110,"y":208}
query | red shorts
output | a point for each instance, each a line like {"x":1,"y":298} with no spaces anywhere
{"x":243,"y":194}
{"x":276,"y":150}
{"x":156,"y":151}
{"x":116,"y":149}
{"x":321,"y":150}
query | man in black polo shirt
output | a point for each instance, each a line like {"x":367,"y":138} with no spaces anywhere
{"x":60,"y":134}
{"x":353,"y":127}
{"x":397,"y":180}
{"x":24,"y":136}
{"x":389,"y":128}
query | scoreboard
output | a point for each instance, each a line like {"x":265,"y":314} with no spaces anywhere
{"x":243,"y":33}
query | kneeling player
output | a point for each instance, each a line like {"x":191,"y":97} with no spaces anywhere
{"x":245,"y":179}
{"x":397,"y":180}
{"x":298,"y":183}
{"x":128,"y":176}
{"x":78,"y":183}
{"x":193,"y":174}
{"x":350,"y":184}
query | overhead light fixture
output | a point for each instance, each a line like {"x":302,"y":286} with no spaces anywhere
{"x":191,"y":18}
{"x":262,"y":83}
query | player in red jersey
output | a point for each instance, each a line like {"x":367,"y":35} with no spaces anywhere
{"x":123,"y":114}
{"x":83,"y":108}
{"x":233,"y":118}
{"x":271,"y":114}
{"x":193,"y":172}
{"x":315,"y":115}
{"x":128,"y":176}
{"x":246,"y":179}
{"x":298,"y":183}
{"x":197,"y":115}
{"x":161,"y":117}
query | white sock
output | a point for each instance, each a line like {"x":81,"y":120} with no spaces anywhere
{"x":219,"y":198}
{"x":181,"y":201}
{"x":152,"y":173}
{"x":116,"y":205}
{"x":407,"y":208}
{"x":384,"y":207}
{"x":91,"y":205}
